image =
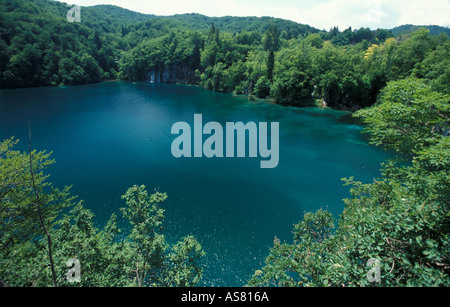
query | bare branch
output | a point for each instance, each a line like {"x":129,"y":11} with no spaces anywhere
{"x":38,"y":202}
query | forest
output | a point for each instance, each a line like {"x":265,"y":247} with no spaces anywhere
{"x":397,"y":82}
{"x":284,"y":61}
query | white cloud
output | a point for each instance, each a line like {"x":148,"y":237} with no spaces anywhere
{"x":377,"y":13}
{"x":344,"y":14}
{"x":322,"y":14}
{"x":430,"y":12}
{"x":340,"y":13}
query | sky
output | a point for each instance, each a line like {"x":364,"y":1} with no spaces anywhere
{"x":321,"y":14}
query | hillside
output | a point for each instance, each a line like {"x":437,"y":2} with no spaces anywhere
{"x":408,"y":29}
{"x":121,"y":16}
{"x":112,"y":18}
{"x":263,"y":57}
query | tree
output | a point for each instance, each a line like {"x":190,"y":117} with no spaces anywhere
{"x":262,"y":87}
{"x":32,"y":211}
{"x":407,"y":117}
{"x":214,"y":34}
{"x":271,"y":40}
{"x":436,"y":68}
{"x":91,"y":68}
{"x":97,"y":41}
{"x":26,"y":219}
{"x":304,"y":262}
{"x":145,"y":216}
{"x":183,"y":264}
{"x":292,"y":76}
{"x":271,"y":43}
{"x":270,"y":65}
{"x":401,"y":221}
{"x":314,"y":40}
{"x":411,"y":52}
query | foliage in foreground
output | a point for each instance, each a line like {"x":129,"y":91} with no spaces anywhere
{"x":402,"y":219}
{"x":107,"y":258}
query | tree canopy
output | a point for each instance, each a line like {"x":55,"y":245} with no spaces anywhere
{"x":264,"y":57}
{"x":401,"y":221}
{"x":108,"y":256}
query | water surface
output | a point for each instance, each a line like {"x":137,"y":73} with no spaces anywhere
{"x":109,"y":136}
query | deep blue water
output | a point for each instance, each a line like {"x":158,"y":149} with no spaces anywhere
{"x":109,"y":136}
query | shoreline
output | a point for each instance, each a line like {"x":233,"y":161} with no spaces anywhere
{"x":306,"y":103}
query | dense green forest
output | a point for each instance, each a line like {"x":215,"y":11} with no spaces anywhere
{"x":264,"y":57}
{"x":398,"y":80}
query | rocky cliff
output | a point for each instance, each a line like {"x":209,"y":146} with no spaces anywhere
{"x":172,"y":73}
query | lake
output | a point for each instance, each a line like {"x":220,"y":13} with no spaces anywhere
{"x":109,"y":136}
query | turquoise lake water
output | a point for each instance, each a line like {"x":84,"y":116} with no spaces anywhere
{"x":109,"y":136}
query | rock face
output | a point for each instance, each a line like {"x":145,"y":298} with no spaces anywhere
{"x":173,"y":73}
